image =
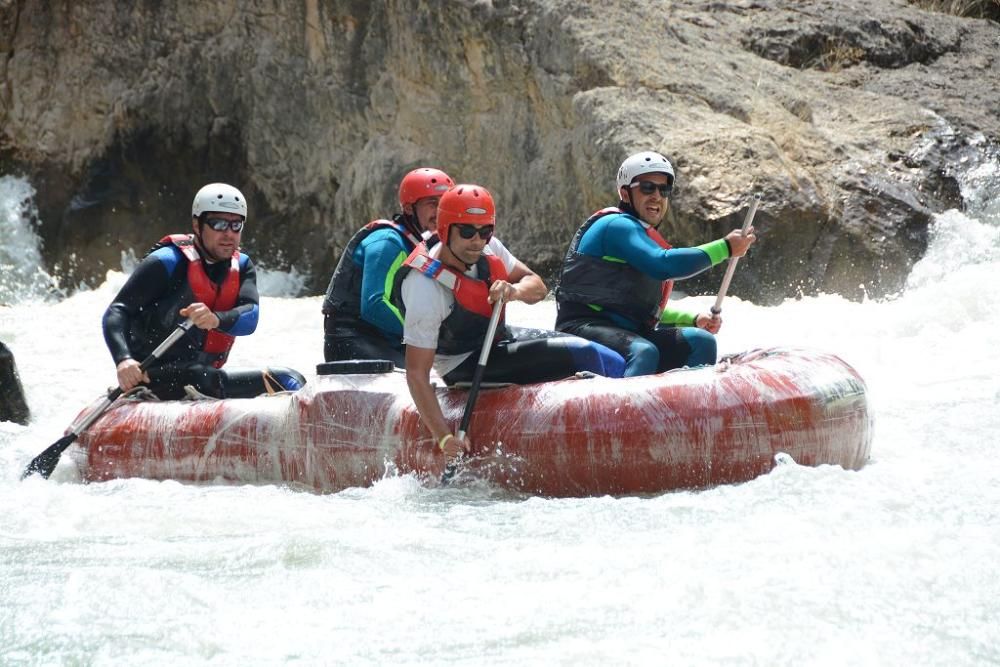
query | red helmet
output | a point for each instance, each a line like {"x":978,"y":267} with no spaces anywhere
{"x":423,"y":182}
{"x":465,"y":204}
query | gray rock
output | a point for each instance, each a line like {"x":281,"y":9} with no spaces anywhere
{"x":13,"y":407}
{"x":848,"y":117}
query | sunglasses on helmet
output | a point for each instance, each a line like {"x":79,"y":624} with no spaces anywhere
{"x":649,"y":187}
{"x":221,"y":224}
{"x":468,"y":231}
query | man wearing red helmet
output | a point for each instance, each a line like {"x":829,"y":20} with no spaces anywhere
{"x":447,"y":293}
{"x":359,"y":321}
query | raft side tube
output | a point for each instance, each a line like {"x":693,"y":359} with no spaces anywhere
{"x":355,"y":366}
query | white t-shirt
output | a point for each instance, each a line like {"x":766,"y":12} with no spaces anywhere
{"x":428,"y":303}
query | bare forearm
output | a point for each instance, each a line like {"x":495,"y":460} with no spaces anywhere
{"x":530,"y":289}
{"x":425,"y":398}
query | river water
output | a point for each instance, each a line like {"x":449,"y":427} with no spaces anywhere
{"x":896,"y":564}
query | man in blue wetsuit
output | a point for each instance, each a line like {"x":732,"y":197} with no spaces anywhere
{"x":359,"y":320}
{"x":618,"y":273}
{"x":202,"y":276}
{"x":447,"y":292}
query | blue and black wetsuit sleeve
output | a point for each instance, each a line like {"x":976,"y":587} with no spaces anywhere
{"x":148,"y":283}
{"x":241,"y":320}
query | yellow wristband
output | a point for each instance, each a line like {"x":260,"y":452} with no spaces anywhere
{"x":444,"y":439}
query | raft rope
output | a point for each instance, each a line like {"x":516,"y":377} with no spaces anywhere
{"x":139,"y":393}
{"x":271,"y":383}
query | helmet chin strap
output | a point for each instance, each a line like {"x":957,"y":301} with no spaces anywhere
{"x":201,"y":246}
{"x":629,"y":206}
{"x":447,"y":244}
{"x":412,"y":223}
{"x":630,"y":209}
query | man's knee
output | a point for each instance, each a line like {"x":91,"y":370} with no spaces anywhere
{"x":250,"y":382}
{"x":703,"y":346}
{"x":593,"y":357}
{"x":643,"y":358}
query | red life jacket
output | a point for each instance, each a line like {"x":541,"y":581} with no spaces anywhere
{"x":464,"y":330}
{"x":668,"y":285}
{"x":218,"y":298}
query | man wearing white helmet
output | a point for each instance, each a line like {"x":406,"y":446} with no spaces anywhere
{"x":202,"y":276}
{"x":619,"y":271}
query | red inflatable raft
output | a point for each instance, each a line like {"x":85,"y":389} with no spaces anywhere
{"x":577,"y":437}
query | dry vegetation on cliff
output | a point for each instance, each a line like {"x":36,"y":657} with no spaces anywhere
{"x":977,"y":9}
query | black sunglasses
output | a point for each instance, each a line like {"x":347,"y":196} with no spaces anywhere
{"x":649,"y":187}
{"x":221,"y":224}
{"x":468,"y":231}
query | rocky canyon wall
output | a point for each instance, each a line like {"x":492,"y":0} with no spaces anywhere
{"x":852,"y":119}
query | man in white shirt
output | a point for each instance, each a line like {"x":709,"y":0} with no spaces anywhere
{"x":447,"y":294}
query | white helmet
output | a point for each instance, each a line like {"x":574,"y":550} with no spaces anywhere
{"x":646,"y":162}
{"x":219,"y":198}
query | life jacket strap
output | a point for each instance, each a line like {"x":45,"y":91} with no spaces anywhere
{"x":434,"y":268}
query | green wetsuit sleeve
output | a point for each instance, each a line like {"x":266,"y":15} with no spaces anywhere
{"x":717,"y":251}
{"x":677,"y":318}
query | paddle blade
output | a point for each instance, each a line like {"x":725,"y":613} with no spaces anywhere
{"x":46,"y":462}
{"x":449,"y":473}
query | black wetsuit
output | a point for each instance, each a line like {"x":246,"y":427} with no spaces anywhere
{"x":145,"y":312}
{"x":526,"y":356}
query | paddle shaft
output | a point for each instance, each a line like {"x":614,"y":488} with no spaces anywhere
{"x":79,"y":427}
{"x":477,"y":377}
{"x":477,"y":380}
{"x":731,"y":269}
{"x":45,"y":463}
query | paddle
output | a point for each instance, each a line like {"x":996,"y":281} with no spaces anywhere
{"x":45,"y":463}
{"x":747,"y":221}
{"x":477,"y":379}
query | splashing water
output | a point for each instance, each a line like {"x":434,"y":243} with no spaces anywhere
{"x":893,"y":565}
{"x":21,"y":276}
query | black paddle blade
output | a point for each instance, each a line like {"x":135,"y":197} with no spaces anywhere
{"x":449,"y":472}
{"x":46,"y":462}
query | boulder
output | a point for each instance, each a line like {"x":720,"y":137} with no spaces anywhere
{"x":13,"y":407}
